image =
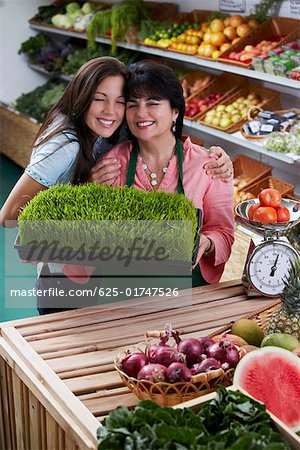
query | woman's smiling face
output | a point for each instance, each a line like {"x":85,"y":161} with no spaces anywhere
{"x":106,"y":111}
{"x":149,"y":118}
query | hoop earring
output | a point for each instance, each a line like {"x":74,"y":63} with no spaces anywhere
{"x":174,"y":126}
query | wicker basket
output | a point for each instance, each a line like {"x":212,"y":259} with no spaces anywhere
{"x":193,"y":76}
{"x":170,"y":394}
{"x":269,"y":99}
{"x":226,"y":84}
{"x":18,"y":132}
{"x":271,"y":182}
{"x":278,"y":26}
{"x":252,"y":114}
{"x":250,"y":169}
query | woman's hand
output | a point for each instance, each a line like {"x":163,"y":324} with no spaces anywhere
{"x":221,"y":167}
{"x":206,"y":246}
{"x":105,"y":171}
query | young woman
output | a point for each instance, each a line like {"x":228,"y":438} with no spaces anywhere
{"x":158,"y":157}
{"x":85,"y":123}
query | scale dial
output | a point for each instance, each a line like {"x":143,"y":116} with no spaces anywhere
{"x":269,"y":265}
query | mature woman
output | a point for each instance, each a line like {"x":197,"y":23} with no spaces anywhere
{"x":158,"y":157}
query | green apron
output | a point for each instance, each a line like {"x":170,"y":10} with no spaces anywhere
{"x":197,"y":278}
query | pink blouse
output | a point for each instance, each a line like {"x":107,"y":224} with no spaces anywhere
{"x":214,"y":197}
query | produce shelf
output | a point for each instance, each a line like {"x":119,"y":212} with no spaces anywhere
{"x":40,"y":69}
{"x":281,"y":81}
{"x":236,"y":138}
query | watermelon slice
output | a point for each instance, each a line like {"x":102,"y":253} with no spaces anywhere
{"x":272,"y":376}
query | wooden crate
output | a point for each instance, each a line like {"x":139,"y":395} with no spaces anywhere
{"x":281,"y":26}
{"x":269,"y":99}
{"x":193,"y":76}
{"x":292,"y":438}
{"x":251,"y":169}
{"x":271,"y":182}
{"x":226,"y":84}
{"x":18,"y":132}
{"x":57,"y":379}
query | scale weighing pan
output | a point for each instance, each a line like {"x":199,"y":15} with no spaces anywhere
{"x":293,"y":206}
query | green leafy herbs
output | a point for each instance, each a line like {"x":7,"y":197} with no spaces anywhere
{"x":87,"y":213}
{"x":231,"y":421}
{"x":265,"y":8}
{"x":34,"y":104}
{"x":45,"y":13}
{"x":120,"y":19}
{"x":33,"y":45}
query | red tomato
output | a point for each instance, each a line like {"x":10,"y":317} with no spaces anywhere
{"x":265,"y":214}
{"x":283,"y":214}
{"x":270,"y":197}
{"x":252,"y":210}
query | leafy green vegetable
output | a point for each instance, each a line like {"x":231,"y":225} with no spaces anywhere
{"x":52,"y":96}
{"x":80,"y":56}
{"x":231,"y":421}
{"x":120,"y":18}
{"x":264,"y":9}
{"x":31,"y":102}
{"x":33,"y":45}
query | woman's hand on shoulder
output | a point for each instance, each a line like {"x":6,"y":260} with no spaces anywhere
{"x":221,"y":167}
{"x":105,"y":171}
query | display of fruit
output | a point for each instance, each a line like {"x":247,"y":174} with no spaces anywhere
{"x":224,"y":116}
{"x":197,"y":104}
{"x":250,"y":51}
{"x":268,"y":208}
{"x":191,"y":88}
{"x":220,"y":34}
{"x":167,"y":33}
{"x":188,"y":41}
{"x":272,"y":376}
{"x":286,"y":319}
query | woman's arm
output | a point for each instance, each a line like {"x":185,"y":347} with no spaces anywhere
{"x":25,"y":189}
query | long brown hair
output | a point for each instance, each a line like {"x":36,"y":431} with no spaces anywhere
{"x":74,"y":103}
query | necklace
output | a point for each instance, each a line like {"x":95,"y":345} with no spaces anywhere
{"x":154,"y":175}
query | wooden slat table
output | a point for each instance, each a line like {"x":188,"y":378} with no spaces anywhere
{"x":57,"y":374}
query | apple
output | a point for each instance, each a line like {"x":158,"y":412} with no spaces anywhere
{"x":249,"y":48}
{"x":230,"y":33}
{"x":216,"y":121}
{"x":236,"y":118}
{"x":220,"y":108}
{"x":229,"y":108}
{"x":225,"y":122}
{"x":208,"y":119}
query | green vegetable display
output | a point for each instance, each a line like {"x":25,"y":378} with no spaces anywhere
{"x":31,"y":102}
{"x":33,"y":45}
{"x":283,"y":143}
{"x":231,"y":421}
{"x":119,"y":18}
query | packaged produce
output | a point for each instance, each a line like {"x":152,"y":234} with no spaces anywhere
{"x":267,"y":122}
{"x":294,"y":74}
{"x":283,"y":142}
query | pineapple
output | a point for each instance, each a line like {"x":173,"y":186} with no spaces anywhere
{"x":286,"y":319}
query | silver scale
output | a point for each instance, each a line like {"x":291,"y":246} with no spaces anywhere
{"x":269,"y":256}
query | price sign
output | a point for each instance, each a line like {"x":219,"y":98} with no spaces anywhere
{"x":232,"y":5}
{"x":295,"y":8}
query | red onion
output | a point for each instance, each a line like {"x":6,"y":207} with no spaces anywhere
{"x":206,"y":342}
{"x":153,"y":372}
{"x":217,"y":351}
{"x":191,"y":348}
{"x":205,"y":366}
{"x":152,"y":349}
{"x":232,"y":355}
{"x":132,"y":363}
{"x":166,"y":355}
{"x":178,"y":372}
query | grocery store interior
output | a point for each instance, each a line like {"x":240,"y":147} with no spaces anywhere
{"x":62,"y":374}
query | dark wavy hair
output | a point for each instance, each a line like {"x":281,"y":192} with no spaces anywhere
{"x":73,"y":105}
{"x":151,"y":79}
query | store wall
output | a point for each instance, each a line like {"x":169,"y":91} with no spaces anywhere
{"x":15,"y":76}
